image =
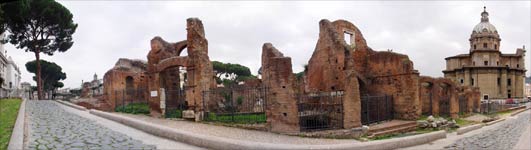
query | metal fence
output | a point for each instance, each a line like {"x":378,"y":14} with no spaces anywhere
{"x":235,"y":104}
{"x":493,"y":107}
{"x":124,"y":97}
{"x":463,"y":104}
{"x":376,"y":109}
{"x":444,"y":106}
{"x":175,"y":103}
{"x":320,"y":111}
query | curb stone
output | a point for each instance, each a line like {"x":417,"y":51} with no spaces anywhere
{"x":519,"y":111}
{"x":494,"y":122}
{"x":16,"y":141}
{"x":72,"y":105}
{"x":469,"y":128}
{"x":214,"y":142}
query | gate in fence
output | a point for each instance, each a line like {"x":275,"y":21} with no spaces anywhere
{"x":376,"y":109}
{"x":175,"y":103}
{"x":320,"y":111}
{"x":235,"y":104}
{"x":444,"y":106}
{"x":463,"y":104}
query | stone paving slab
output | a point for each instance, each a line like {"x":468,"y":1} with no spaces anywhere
{"x":51,"y":127}
{"x":504,"y":136}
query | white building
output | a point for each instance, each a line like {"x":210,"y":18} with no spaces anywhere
{"x":3,"y":70}
{"x":10,"y":74}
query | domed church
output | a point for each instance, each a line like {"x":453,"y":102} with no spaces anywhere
{"x":498,"y":76}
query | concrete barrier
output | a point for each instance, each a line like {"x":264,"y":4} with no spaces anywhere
{"x":469,"y":128}
{"x":214,"y":142}
{"x":494,"y":122}
{"x":519,"y":111}
{"x":72,"y":105}
{"x":16,"y":142}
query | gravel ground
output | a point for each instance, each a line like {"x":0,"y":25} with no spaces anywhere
{"x":237,"y":133}
{"x":504,"y":136}
{"x":51,"y":127}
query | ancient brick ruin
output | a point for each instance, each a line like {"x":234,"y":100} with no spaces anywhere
{"x":343,"y":79}
{"x":125,"y":83}
{"x":353,"y":70}
{"x":165,"y":64}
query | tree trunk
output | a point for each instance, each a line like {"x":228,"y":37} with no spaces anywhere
{"x":39,"y":80}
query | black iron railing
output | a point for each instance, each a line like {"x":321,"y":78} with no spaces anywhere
{"x":235,"y":104}
{"x":376,"y":109}
{"x":320,"y":111}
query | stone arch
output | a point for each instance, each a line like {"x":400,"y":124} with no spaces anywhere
{"x":426,"y":94}
{"x":129,"y":83}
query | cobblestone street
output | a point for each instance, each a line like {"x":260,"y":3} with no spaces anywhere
{"x":504,"y":136}
{"x":51,"y":127}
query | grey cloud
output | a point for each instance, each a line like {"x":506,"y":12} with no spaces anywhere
{"x":426,"y":31}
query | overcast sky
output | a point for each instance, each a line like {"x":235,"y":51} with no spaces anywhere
{"x":425,"y":31}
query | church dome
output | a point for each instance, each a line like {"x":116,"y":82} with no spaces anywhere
{"x":484,"y":25}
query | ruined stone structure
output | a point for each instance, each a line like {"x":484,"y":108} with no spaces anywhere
{"x":164,"y":69}
{"x":127,"y":75}
{"x":282,"y":112}
{"x":497,"y":75}
{"x":336,"y":60}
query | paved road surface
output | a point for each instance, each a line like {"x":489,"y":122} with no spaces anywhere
{"x":504,"y":136}
{"x":54,"y":126}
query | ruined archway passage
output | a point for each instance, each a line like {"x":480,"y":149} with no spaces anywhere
{"x":173,"y":80}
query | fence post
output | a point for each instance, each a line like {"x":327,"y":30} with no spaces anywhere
{"x":232,"y":104}
{"x":123,"y":99}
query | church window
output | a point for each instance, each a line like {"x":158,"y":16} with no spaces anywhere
{"x":484,"y":45}
{"x":486,"y":63}
{"x":475,"y":46}
{"x":495,"y":46}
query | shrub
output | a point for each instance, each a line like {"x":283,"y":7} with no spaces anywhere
{"x":134,"y":108}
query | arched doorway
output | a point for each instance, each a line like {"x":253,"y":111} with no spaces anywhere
{"x":173,"y":80}
{"x":426,"y":97}
{"x":444,"y":99}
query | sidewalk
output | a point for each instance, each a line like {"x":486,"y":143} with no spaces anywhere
{"x":237,"y":133}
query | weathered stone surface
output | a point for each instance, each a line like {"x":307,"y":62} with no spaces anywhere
{"x":164,"y":62}
{"x":437,"y":92}
{"x":125,"y":82}
{"x":51,"y":127}
{"x":277,"y":75}
{"x":338,"y":65}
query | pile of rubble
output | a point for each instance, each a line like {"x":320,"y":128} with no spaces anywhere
{"x":438,"y":123}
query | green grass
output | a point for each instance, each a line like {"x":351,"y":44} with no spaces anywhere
{"x":238,"y":118}
{"x":8,"y":112}
{"x":462,"y":122}
{"x":134,"y":108}
{"x":174,"y":114}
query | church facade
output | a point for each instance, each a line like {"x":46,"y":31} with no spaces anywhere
{"x":498,"y":75}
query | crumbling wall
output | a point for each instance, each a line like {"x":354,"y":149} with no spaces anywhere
{"x":164,"y":56}
{"x":392,"y":74}
{"x":434,"y":90}
{"x":114,"y":82}
{"x":277,"y":75}
{"x":337,"y":61}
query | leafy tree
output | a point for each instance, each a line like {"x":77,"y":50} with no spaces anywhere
{"x":228,"y":73}
{"x":38,"y":26}
{"x":51,"y":74}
